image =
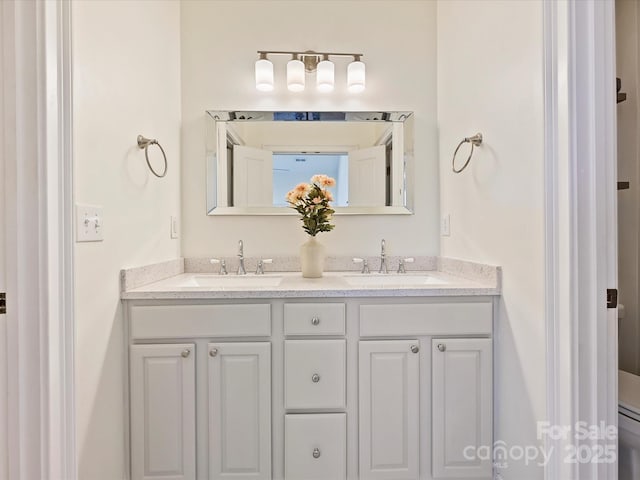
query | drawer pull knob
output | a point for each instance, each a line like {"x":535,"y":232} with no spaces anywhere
{"x":315,"y":378}
{"x":415,"y":348}
{"x":315,"y":321}
{"x":185,"y":353}
{"x":316,"y":453}
{"x":442,"y":347}
{"x":213,"y":352}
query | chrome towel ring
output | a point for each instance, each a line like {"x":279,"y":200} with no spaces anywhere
{"x":144,"y":143}
{"x":475,"y":141}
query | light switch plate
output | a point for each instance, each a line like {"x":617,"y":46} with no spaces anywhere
{"x":175,"y":227}
{"x":89,"y":223}
{"x":445,"y":227}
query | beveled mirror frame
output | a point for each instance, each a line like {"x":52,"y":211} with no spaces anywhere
{"x":216,"y":172}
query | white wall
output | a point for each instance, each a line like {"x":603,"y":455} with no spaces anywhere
{"x":490,"y":79}
{"x":219,"y":43}
{"x":627,"y":19}
{"x":126,"y":81}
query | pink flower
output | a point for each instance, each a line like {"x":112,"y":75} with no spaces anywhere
{"x":323,"y":180}
{"x":329,"y":182}
{"x":302,"y":188}
{"x":291,"y":196}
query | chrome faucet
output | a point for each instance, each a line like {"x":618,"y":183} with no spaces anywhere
{"x":365,"y":265}
{"x":383,"y":259}
{"x":402,"y":265}
{"x":223,"y":265}
{"x":261,"y":264}
{"x":241,"y":270}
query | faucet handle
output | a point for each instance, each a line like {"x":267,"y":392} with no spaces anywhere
{"x":403,"y":261}
{"x":223,"y":265}
{"x":261,"y":264}
{"x":365,"y":265}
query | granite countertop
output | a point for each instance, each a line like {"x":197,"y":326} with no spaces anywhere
{"x":169,"y":280}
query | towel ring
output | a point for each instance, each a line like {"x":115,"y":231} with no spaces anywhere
{"x":475,"y":141}
{"x":144,"y":143}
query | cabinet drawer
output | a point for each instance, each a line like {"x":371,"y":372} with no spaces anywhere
{"x":314,"y":319}
{"x":315,"y":446}
{"x":433,"y":318}
{"x":192,"y":321}
{"x":314,"y":373}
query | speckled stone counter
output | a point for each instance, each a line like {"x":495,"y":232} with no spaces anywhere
{"x":185,"y":279}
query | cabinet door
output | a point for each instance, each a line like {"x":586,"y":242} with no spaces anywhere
{"x":462,"y":406}
{"x":389,"y":384}
{"x":240,"y":410}
{"x":163,"y":438}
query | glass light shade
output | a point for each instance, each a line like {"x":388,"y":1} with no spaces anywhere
{"x":264,"y":75}
{"x":356,"y":77}
{"x":295,"y":75}
{"x":325,"y":76}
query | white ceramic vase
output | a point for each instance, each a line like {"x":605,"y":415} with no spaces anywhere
{"x":312,"y":254}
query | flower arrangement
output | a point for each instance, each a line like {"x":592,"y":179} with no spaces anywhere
{"x":312,"y":201}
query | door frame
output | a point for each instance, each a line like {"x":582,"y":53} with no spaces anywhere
{"x":37,"y":146}
{"x":580,"y":226}
{"x":579,"y":63}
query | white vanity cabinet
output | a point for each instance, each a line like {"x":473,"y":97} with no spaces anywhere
{"x":240,"y":410}
{"x":200,"y":408}
{"x":461,"y":388}
{"x":389,"y":387}
{"x":315,"y":369}
{"x":426,"y":399}
{"x":163,"y":412}
{"x":353,"y":388}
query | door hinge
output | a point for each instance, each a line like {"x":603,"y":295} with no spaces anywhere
{"x":612,"y":297}
{"x":3,"y":303}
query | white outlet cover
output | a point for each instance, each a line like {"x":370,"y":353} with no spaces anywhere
{"x":89,"y":223}
{"x":175,"y":227}
{"x":445,"y":229}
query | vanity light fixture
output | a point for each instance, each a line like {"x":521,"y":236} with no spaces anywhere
{"x":295,"y":74}
{"x":356,"y":74}
{"x":264,"y":74}
{"x":310,"y":62}
{"x":325,"y":76}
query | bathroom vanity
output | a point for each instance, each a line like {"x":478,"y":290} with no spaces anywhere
{"x":327,"y":379}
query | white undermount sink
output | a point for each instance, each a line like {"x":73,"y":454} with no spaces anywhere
{"x":233,"y":281}
{"x":392,"y":280}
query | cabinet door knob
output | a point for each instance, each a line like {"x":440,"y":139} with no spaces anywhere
{"x":185,"y":353}
{"x":213,"y":352}
{"x":415,"y":348}
{"x":316,"y":453}
{"x":315,"y":321}
{"x":315,"y":378}
{"x":442,"y":347}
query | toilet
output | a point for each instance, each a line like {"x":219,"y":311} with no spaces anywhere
{"x":628,"y":426}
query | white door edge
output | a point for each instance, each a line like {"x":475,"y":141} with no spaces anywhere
{"x":36,"y":113}
{"x":60,"y":221}
{"x":4,"y":411}
{"x":580,"y":227}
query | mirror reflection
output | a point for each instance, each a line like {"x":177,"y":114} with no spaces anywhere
{"x":255,"y":158}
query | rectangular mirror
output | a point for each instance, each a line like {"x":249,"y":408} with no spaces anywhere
{"x":255,"y":158}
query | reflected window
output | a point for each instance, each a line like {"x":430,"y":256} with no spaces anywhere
{"x":290,"y":169}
